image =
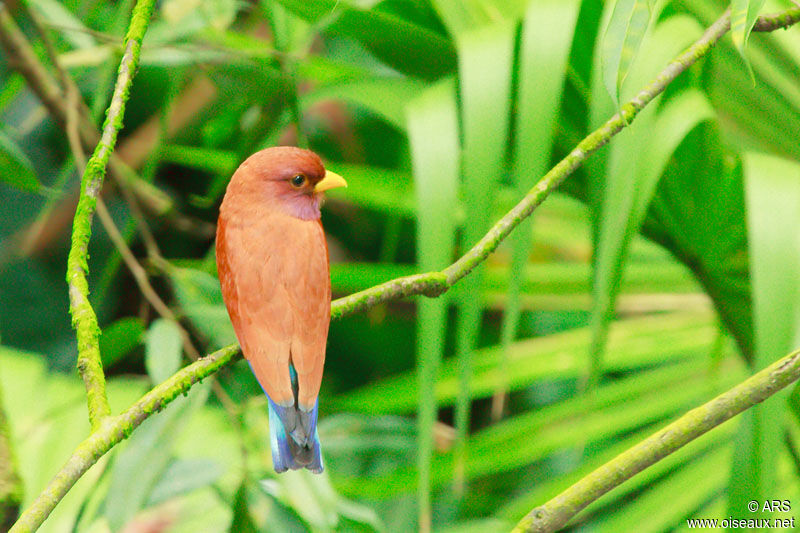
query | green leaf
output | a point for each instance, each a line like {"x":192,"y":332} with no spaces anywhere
{"x":382,"y":189}
{"x":144,"y":458}
{"x":543,"y":286}
{"x":632,"y":344}
{"x":316,"y":501}
{"x":743,"y":16}
{"x":15,"y":167}
{"x":622,"y":406}
{"x":485,"y":56}
{"x":544,"y":49}
{"x":242,"y":520}
{"x":46,"y":415}
{"x":183,"y":476}
{"x":72,"y":30}
{"x":119,"y":338}
{"x":632,"y":176}
{"x":621,"y":42}
{"x":200,"y":297}
{"x":772,"y":189}
{"x":386,"y":97}
{"x":435,"y":154}
{"x":162,"y":356}
{"x":403,"y":45}
{"x":207,"y":159}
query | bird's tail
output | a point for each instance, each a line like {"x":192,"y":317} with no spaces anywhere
{"x":293,"y":435}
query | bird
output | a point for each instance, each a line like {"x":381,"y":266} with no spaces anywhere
{"x":273,"y":267}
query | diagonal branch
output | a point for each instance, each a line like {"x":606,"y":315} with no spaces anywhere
{"x":113,"y":430}
{"x":554,"y":514}
{"x":752,"y":391}
{"x":435,"y":283}
{"x":84,"y":319}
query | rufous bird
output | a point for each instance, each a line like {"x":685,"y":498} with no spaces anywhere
{"x":272,"y":261}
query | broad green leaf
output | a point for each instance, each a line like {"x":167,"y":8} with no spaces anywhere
{"x":47,"y":418}
{"x":743,"y":16}
{"x":433,"y":135}
{"x":316,"y":501}
{"x":181,"y":19}
{"x":775,"y":58}
{"x":386,"y":97}
{"x":772,"y":192}
{"x":242,"y":519}
{"x":119,"y":338}
{"x":403,"y":45}
{"x":65,"y":22}
{"x":143,"y":460}
{"x":486,"y":57}
{"x":382,"y":189}
{"x":162,"y":356}
{"x":11,"y":89}
{"x":200,"y":298}
{"x":330,"y":71}
{"x":632,"y":176}
{"x":633,"y":343}
{"x":15,"y":167}
{"x":698,"y":213}
{"x":194,"y":286}
{"x":621,"y":42}
{"x":544,"y":47}
{"x":206,"y":159}
{"x":183,"y":476}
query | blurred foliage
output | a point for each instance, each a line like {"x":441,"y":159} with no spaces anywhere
{"x":663,"y":272}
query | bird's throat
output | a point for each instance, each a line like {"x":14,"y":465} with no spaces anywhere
{"x":302,"y":206}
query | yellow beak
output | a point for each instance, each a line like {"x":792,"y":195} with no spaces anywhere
{"x":330,"y":181}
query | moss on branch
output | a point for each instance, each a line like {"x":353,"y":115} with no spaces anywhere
{"x":84,"y":320}
{"x":554,"y":514}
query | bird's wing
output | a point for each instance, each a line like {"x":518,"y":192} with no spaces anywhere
{"x":251,"y":276}
{"x":276,"y":284}
{"x":310,"y":297}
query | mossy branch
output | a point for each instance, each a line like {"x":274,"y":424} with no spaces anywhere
{"x":112,"y":430}
{"x":556,"y":513}
{"x":84,"y":319}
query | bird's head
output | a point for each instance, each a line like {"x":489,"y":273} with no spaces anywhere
{"x":286,"y":177}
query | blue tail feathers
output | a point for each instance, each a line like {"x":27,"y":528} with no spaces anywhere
{"x":287,"y":452}
{"x":293,"y":435}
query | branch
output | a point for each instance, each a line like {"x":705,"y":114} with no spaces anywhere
{"x":436,"y":283}
{"x":84,"y":319}
{"x":115,"y":429}
{"x":555,"y":513}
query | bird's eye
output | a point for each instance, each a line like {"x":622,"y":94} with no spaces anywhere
{"x":298,"y":181}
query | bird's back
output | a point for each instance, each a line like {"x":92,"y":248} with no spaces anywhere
{"x":275,"y":281}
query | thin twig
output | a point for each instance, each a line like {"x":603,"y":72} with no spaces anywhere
{"x":142,"y":280}
{"x":84,"y":319}
{"x":21,"y":56}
